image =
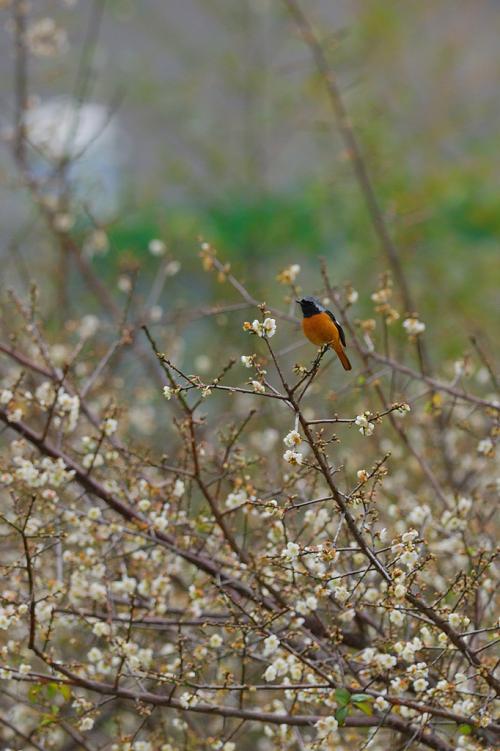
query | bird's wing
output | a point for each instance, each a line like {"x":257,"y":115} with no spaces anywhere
{"x":339,"y":327}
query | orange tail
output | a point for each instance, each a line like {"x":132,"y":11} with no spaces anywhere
{"x":343,"y":357}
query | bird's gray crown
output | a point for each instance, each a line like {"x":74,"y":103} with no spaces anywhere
{"x":310,"y":306}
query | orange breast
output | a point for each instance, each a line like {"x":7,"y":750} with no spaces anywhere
{"x":320,"y":329}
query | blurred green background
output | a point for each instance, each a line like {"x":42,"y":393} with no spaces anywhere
{"x":223,"y":130}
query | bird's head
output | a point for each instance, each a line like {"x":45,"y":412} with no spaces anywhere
{"x":310,"y":306}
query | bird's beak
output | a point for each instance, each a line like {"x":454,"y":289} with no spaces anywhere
{"x":297,"y":301}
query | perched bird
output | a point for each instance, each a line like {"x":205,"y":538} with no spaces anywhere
{"x":321,"y":327}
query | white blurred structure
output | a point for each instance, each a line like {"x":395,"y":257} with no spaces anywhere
{"x":88,"y":140}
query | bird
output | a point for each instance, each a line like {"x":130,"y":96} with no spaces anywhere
{"x":322,"y":328}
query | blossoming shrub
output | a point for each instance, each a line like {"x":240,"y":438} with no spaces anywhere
{"x":279,"y":556}
{"x":242,"y":547}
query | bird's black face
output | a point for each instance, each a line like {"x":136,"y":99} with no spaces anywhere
{"x":310,"y":306}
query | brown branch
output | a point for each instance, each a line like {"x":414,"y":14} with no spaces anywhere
{"x":358,"y":721}
{"x":436,"y":385}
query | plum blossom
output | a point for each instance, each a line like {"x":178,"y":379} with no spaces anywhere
{"x":265,"y":329}
{"x":292,"y":550}
{"x":352,"y":295}
{"x":325,"y":726}
{"x":6,"y":396}
{"x":179,"y":488}
{"x":403,"y":409}
{"x":293,"y":457}
{"x":365,"y":426}
{"x":270,"y":674}
{"x":271,"y":644}
{"x":486,"y":447}
{"x":289,"y":274}
{"x":157,"y":247}
{"x":293,"y":438}
{"x":258,"y":387}
{"x":109,"y":426}
{"x":45,"y":38}
{"x":413,"y":326}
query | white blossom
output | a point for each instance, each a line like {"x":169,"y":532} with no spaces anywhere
{"x":385,"y":661}
{"x":157,"y":247}
{"x":454,"y":620}
{"x":420,"y":684}
{"x":289,"y":275}
{"x":101,"y":628}
{"x":179,"y":488}
{"x":409,"y":536}
{"x":293,"y":438}
{"x":352,"y":296}
{"x":45,"y":38}
{"x":365,"y":426}
{"x":341,"y":593}
{"x":292,"y":550}
{"x":236,"y":498}
{"x":109,"y":426}
{"x":409,"y":558}
{"x":413,"y":326}
{"x":94,"y":655}
{"x":485,"y":447}
{"x":271,"y":644}
{"x":89,"y":325}
{"x":266,"y":329}
{"x":403,"y":409}
{"x":293,"y":457}
{"x":6,"y":396}
{"x":258,"y":387}
{"x":380,"y":704}
{"x":270,"y":673}
{"x":269,"y":327}
{"x":397,"y":617}
{"x":399,"y":591}
{"x":144,"y":745}
{"x":325,"y":726}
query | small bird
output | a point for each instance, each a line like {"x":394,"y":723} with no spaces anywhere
{"x":321,"y":327}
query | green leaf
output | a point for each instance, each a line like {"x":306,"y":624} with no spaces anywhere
{"x":343,"y":696}
{"x":361,"y":697}
{"x":65,"y":691}
{"x":341,"y":714}
{"x":464,"y":729}
{"x":51,"y":690}
{"x":365,"y":707}
{"x":46,"y":719}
